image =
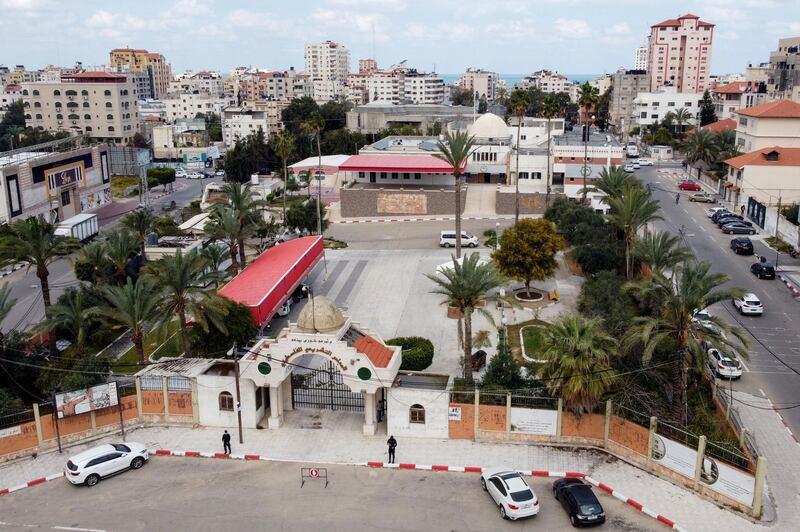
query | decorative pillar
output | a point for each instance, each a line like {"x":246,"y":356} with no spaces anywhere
{"x":758,"y":492}
{"x":165,"y":389}
{"x":559,"y":418}
{"x":698,"y":465}
{"x":274,"y":408}
{"x":369,"y":413}
{"x":651,"y":437}
{"x":38,"y":422}
{"x":195,"y":403}
{"x":607,"y":428}
{"x":139,"y":409}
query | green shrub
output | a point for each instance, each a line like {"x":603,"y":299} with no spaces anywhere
{"x":417,"y":352}
{"x":777,"y":243}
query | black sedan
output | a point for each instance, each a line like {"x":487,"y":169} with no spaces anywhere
{"x":728,"y":218}
{"x":579,"y":501}
{"x":742,"y":246}
{"x":763,"y":270}
{"x":738,"y":228}
{"x":719,"y":214}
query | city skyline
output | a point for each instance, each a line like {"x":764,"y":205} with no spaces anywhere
{"x":512,"y":37}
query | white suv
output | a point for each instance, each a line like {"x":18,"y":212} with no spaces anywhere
{"x":510,"y":493}
{"x":447,"y":239}
{"x":723,"y":366}
{"x":748,"y":304}
{"x":103,"y":461}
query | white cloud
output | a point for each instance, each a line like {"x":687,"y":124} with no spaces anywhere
{"x":572,"y":27}
{"x":395,"y":5}
{"x":257,"y":20}
{"x":353,"y":25}
{"x":619,"y":29}
{"x":22,"y":5}
{"x":444,"y":31}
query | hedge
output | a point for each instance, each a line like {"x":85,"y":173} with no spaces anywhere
{"x":417,"y":352}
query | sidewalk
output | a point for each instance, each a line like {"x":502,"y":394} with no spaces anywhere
{"x":341,"y":446}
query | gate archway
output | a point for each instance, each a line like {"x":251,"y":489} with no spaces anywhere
{"x":324,"y":389}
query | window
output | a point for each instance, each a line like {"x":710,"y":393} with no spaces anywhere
{"x":406,"y":175}
{"x":416,"y":414}
{"x":73,"y":116}
{"x":107,"y":93}
{"x":38,"y":117}
{"x":108,"y":104}
{"x":417,"y":175}
{"x":361,"y":175}
{"x":109,"y":117}
{"x":65,"y":200}
{"x":110,"y":129}
{"x":35,"y":92}
{"x":87,"y":117}
{"x":523,"y":175}
{"x":37,"y":104}
{"x":226,"y":401}
{"x":56,"y":92}
{"x":84,"y":92}
{"x":59,"y":116}
{"x":395,"y":175}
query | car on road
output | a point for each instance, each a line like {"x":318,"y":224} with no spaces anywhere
{"x":763,"y":270}
{"x":738,"y":228}
{"x":702,"y":197}
{"x":636,"y":164}
{"x":730,"y":218}
{"x":102,"y":461}
{"x":645,"y":162}
{"x":289,"y":234}
{"x":748,"y":304}
{"x":701,"y":315}
{"x":510,"y":493}
{"x":741,"y":245}
{"x":180,"y":173}
{"x":714,"y":210}
{"x":719,"y":214}
{"x":688,"y":184}
{"x":722,"y":365}
{"x":579,"y":501}
{"x":628,"y":168}
{"x":220,"y":173}
{"x":195,"y":175}
{"x":447,"y":239}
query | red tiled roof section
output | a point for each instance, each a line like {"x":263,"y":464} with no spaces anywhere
{"x":737,"y":87}
{"x":776,"y":109}
{"x":677,"y":21}
{"x":720,"y":125}
{"x":379,"y":354}
{"x":785,"y":157}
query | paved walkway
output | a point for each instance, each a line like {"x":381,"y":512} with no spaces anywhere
{"x":480,"y":200}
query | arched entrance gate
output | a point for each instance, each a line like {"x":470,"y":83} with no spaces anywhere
{"x":324,"y":389}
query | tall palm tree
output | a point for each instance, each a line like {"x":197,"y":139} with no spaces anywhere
{"x":182,"y":280}
{"x":630,"y":212}
{"x":578,"y":354}
{"x":550,"y":109}
{"x":588,"y":97}
{"x":700,"y":145}
{"x":661,"y":251}
{"x":682,"y":117}
{"x":315,"y":125}
{"x":73,"y":315}
{"x":692,"y":287}
{"x":465,"y":287}
{"x":95,"y":254}
{"x":216,"y":256}
{"x":140,"y":224}
{"x":455,"y":149}
{"x":33,"y":242}
{"x":120,"y":247}
{"x":223,"y":225}
{"x":518,"y":101}
{"x":6,"y":304}
{"x":132,"y":305}
{"x":611,"y":182}
{"x":246,"y":209}
{"x":283,"y":145}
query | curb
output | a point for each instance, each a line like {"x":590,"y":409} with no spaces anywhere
{"x":11,"y":270}
{"x":437,"y":219}
{"x":455,"y":469}
{"x":31,"y":483}
{"x":785,"y":425}
{"x":789,"y":285}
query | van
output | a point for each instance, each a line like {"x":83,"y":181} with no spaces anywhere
{"x":447,"y":239}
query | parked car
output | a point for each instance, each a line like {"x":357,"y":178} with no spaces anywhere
{"x":722,"y":365}
{"x":702,"y":197}
{"x":635,"y":164}
{"x":103,"y":461}
{"x":645,"y":162}
{"x":579,"y":501}
{"x":738,"y":228}
{"x":714,"y":210}
{"x":688,"y":184}
{"x":447,"y":239}
{"x":194,"y":175}
{"x":628,"y":168}
{"x":180,"y":173}
{"x":701,"y":315}
{"x":741,"y":245}
{"x":719,"y":214}
{"x":510,"y":493}
{"x":289,"y":234}
{"x":748,"y":304}
{"x":301,"y":292}
{"x":730,"y":218}
{"x":763,"y":270}
{"x":286,"y":308}
{"x":220,"y":173}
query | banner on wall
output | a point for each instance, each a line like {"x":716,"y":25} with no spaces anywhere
{"x":93,"y":200}
{"x":86,"y":400}
{"x":67,"y":174}
{"x":454,"y":413}
{"x":534,"y":421}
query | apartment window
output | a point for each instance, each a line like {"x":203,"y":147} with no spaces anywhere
{"x":109,"y":117}
{"x":687,"y":104}
{"x":416,"y":414}
{"x":37,"y":104}
{"x":38,"y":117}
{"x":59,"y":116}
{"x":65,"y":199}
{"x":417,"y":175}
{"x":226,"y":402}
{"x":35,"y":92}
{"x":383,"y":175}
{"x":87,"y":117}
{"x":743,"y":122}
{"x":670,"y":104}
{"x":406,"y":175}
{"x":56,"y":92}
{"x":536,"y":175}
{"x":361,"y":175}
{"x":107,"y":93}
{"x":86,"y":104}
{"x":395,"y":175}
{"x":655,"y":104}
{"x":110,"y":129}
{"x":654,"y":117}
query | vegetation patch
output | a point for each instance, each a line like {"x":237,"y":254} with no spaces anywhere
{"x":532,"y":341}
{"x":514,"y":336}
{"x":778,"y":244}
{"x":120,"y":183}
{"x":417,"y":352}
{"x":332,"y":243}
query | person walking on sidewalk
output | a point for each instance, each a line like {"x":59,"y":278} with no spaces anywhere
{"x":226,"y":443}
{"x":392,"y":443}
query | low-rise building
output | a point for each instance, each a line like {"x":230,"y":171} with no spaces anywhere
{"x":546,"y":81}
{"x":187,"y":105}
{"x":375,"y":116}
{"x":652,"y":107}
{"x":273,"y":110}
{"x":187,"y":142}
{"x":11,"y":93}
{"x":239,"y":122}
{"x":576,"y":164}
{"x":205,"y":81}
{"x":769,"y":124}
{"x":736,"y":96}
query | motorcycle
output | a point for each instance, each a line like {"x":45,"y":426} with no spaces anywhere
{"x":793,"y":252}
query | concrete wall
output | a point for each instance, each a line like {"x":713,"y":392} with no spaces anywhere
{"x":398,"y":404}
{"x":529,"y":203}
{"x":209,"y":387}
{"x":358,"y":201}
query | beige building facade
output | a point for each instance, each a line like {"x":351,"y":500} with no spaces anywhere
{"x":770,"y":124}
{"x":679,"y":54}
{"x":626,"y":84}
{"x":140,"y":60}
{"x":485,"y":83}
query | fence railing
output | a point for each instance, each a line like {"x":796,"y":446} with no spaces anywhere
{"x":16,"y":418}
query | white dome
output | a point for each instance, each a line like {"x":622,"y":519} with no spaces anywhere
{"x":489,"y":125}
{"x":321,"y":315}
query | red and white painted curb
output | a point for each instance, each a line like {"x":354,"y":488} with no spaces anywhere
{"x":456,"y":469}
{"x":31,"y":483}
{"x":785,"y":425}
{"x":436,"y":219}
{"x":790,"y":285}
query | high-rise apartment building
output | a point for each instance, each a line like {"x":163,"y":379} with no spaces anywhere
{"x":783,"y":79}
{"x":328,"y":64}
{"x":626,"y":85}
{"x":367,"y":66}
{"x":640,"y":58}
{"x":140,"y":60}
{"x":475,"y":80}
{"x":679,"y":54}
{"x":405,"y":85}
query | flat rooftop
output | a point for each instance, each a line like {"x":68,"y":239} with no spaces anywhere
{"x":573,"y":138}
{"x":426,"y":381}
{"x":19,"y":158}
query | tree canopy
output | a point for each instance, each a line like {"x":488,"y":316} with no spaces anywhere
{"x":528,"y":251}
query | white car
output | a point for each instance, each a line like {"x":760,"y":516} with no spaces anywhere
{"x":701,"y":315}
{"x":636,"y":165}
{"x":645,"y":162}
{"x":103,"y":461}
{"x":447,"y":239}
{"x":510,"y":493}
{"x":713,"y":210}
{"x":628,"y":168}
{"x":180,"y":173}
{"x":290,"y":234}
{"x":195,"y":175}
{"x":748,"y":304}
{"x":722,"y":365}
{"x":286,"y":308}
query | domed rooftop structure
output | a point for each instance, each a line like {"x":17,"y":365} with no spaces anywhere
{"x":489,"y":126}
{"x":321,"y":315}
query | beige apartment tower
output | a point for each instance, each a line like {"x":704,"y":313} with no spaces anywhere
{"x":679,"y":54}
{"x":140,"y":60}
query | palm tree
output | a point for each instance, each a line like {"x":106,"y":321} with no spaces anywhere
{"x":518,"y":101}
{"x":315,"y":125}
{"x":630,"y":212}
{"x":182,"y":280}
{"x":6,"y":304}
{"x":95,"y":254}
{"x":550,"y":109}
{"x":283,"y":145}
{"x":140,"y":224}
{"x":660,"y":251}
{"x":700,"y":145}
{"x":611,"y":182}
{"x":131,"y":305}
{"x":465,"y":287}
{"x":692,"y":287}
{"x":726,"y":145}
{"x":455,"y":150}
{"x":216,"y":255}
{"x":246,"y":209}
{"x":223,"y":225}
{"x":71,"y":315}
{"x":682,"y":117}
{"x":33,"y":242}
{"x":588,"y":97}
{"x":120,"y":248}
{"x":577,"y":353}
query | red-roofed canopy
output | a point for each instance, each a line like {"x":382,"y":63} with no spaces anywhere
{"x":396,"y":163}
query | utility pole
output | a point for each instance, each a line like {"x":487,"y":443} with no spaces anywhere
{"x":777,"y":220}
{"x":55,"y":418}
{"x":238,"y":394}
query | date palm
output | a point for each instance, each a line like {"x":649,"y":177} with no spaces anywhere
{"x":466,"y":287}
{"x":455,"y":149}
{"x":216,"y":255}
{"x":518,"y":101}
{"x":223,"y":225}
{"x":120,"y":247}
{"x":550,"y":109}
{"x":70,"y":314}
{"x":315,"y":125}
{"x":283,"y":145}
{"x":140,"y":224}
{"x":661,"y":251}
{"x":700,"y":145}
{"x":95,"y":254}
{"x":6,"y":304}
{"x":630,"y":212}
{"x":612,"y":182}
{"x":182,"y":280}
{"x":131,"y":306}
{"x":578,"y":355}
{"x":682,"y":117}
{"x":247,"y":211}
{"x":588,"y":98}
{"x":691,"y":287}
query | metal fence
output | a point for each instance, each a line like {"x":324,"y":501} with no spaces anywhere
{"x":631,"y":415}
{"x":678,"y":435}
{"x":17,"y":418}
{"x":151,"y":382}
{"x":533,"y":401}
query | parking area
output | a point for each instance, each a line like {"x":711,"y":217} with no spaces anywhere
{"x":197,"y":494}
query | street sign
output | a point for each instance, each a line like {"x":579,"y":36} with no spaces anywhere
{"x":313,"y":473}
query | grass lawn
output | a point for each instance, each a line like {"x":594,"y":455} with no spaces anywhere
{"x":120,"y":183}
{"x":290,"y":200}
{"x":532,"y":339}
{"x":127,"y":362}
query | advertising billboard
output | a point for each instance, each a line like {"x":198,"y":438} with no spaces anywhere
{"x":86,"y":400}
{"x":534,"y":421}
{"x":67,"y":174}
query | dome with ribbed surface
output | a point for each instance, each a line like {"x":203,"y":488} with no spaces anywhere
{"x":320,"y":315}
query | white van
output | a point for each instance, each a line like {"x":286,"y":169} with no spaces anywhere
{"x":447,"y":239}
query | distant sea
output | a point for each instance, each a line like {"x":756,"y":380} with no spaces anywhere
{"x":512,"y":79}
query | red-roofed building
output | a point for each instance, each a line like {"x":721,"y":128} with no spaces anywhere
{"x":737,"y":96}
{"x":679,"y":54}
{"x":719,"y":126}
{"x":775,"y":123}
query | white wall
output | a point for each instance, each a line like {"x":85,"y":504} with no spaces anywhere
{"x":435,"y":402}
{"x":208,"y":389}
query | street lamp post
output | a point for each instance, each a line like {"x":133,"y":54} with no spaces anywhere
{"x":496,"y":236}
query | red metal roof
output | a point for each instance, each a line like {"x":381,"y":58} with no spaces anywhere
{"x":396,"y":163}
{"x":267,"y":281}
{"x":378,"y":354}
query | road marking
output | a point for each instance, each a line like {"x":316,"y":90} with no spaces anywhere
{"x":703,"y":229}
{"x":692,"y":217}
{"x":78,"y":529}
{"x":762,"y":392}
{"x":743,"y":364}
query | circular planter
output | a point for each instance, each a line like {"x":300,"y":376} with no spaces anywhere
{"x":522,"y":295}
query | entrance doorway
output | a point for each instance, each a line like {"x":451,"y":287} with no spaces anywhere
{"x":324,"y":389}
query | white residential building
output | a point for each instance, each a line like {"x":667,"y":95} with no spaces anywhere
{"x":475,"y":80}
{"x":774,"y":123}
{"x":327,"y":64}
{"x":239,"y":122}
{"x":10,"y":94}
{"x":680,"y":54}
{"x":188,"y":105}
{"x":402,"y":85}
{"x":737,"y":95}
{"x":652,"y":107}
{"x":205,"y":81}
{"x":602,"y":84}
{"x":640,"y":58}
{"x":547,"y":81}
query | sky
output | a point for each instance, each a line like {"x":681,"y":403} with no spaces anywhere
{"x":506,"y":36}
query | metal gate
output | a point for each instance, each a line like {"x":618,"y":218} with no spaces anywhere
{"x":323,"y":389}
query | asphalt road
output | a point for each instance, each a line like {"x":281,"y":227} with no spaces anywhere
{"x":199,"y":494}
{"x":775,"y":336}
